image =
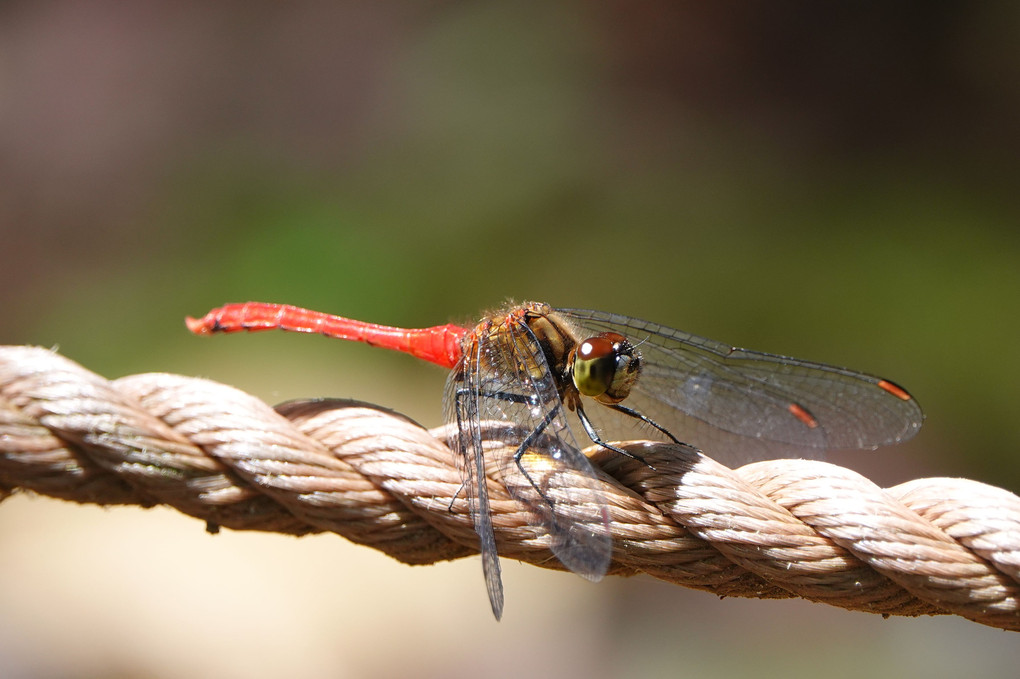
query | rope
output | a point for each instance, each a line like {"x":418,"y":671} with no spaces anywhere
{"x":774,"y":529}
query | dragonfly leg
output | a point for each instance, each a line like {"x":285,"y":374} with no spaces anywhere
{"x":541,"y":427}
{"x":596,"y":438}
{"x":529,"y":439}
{"x":463,"y":485}
{"x":526,"y":444}
{"x":647,"y":420}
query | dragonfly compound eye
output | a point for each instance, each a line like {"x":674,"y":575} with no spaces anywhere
{"x":605,"y":367}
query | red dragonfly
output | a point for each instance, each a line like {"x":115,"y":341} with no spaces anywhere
{"x":528,"y":365}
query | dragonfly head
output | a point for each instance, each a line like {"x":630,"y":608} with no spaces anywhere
{"x":605,"y":367}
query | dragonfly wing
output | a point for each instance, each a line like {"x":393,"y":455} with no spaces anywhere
{"x":542,"y":466}
{"x":461,"y":409}
{"x":756,"y":395}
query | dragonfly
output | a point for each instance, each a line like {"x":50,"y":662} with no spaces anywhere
{"x":546,"y":372}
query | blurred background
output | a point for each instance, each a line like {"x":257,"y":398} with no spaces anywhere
{"x":838,"y":183}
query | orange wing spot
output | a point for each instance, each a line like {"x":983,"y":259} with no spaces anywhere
{"x":802,"y":415}
{"x":894,"y":389}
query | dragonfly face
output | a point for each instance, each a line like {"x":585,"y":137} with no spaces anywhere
{"x":604,"y":366}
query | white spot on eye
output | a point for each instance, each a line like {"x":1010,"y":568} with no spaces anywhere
{"x":586,"y":347}
{"x":556,"y":453}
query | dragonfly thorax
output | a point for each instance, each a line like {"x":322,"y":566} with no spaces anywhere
{"x":605,"y":367}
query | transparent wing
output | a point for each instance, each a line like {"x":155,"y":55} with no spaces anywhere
{"x":460,"y":407}
{"x":703,"y":387}
{"x":507,"y":379}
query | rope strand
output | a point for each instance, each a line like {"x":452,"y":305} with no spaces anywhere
{"x":773,"y":529}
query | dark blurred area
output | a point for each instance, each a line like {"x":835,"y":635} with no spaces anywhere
{"x":835,"y":182}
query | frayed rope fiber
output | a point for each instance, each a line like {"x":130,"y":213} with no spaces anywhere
{"x":774,"y":529}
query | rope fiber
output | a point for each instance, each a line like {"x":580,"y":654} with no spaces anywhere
{"x":777,"y":529}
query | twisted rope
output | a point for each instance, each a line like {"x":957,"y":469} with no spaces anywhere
{"x":770,"y":530}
